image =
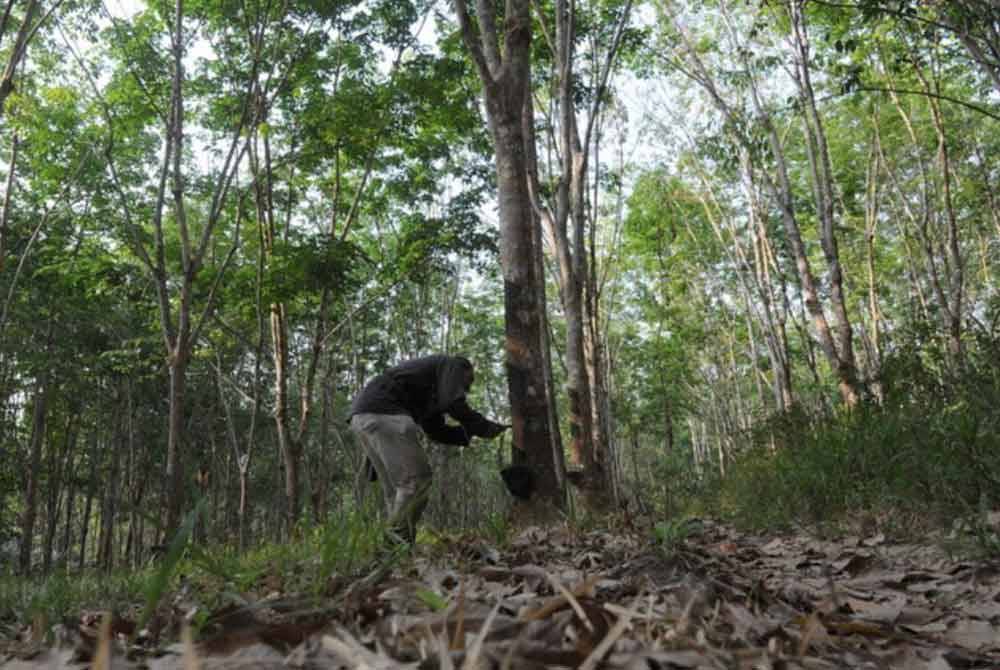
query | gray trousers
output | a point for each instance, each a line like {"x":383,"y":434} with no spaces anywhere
{"x":392,"y":444}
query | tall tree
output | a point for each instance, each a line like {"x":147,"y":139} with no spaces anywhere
{"x":504,"y":66}
{"x":566,"y":214}
{"x":39,"y":417}
{"x":182,"y":311}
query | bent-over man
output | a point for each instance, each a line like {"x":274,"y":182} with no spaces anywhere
{"x":386,"y":414}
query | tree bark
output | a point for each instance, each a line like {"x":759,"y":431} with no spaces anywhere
{"x":176,"y":336}
{"x":565,"y":220}
{"x":175,"y":445}
{"x":38,"y":422}
{"x":946,"y":285}
{"x":59,"y":464}
{"x":842,"y":355}
{"x":67,"y":535}
{"x":530,"y":147}
{"x":570,"y":249}
{"x":181,"y":336}
{"x":109,"y":508}
{"x":505,"y":78}
{"x":775,"y":313}
{"x":873,"y":193}
{"x":8,"y":197}
{"x":88,"y":506}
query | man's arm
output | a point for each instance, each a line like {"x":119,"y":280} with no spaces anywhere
{"x":473,"y":422}
{"x":436,"y":429}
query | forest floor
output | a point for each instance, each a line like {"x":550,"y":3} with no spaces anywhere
{"x":711,"y":597}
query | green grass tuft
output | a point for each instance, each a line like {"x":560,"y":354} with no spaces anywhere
{"x":61,"y":595}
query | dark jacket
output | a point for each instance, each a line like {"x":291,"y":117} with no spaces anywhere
{"x":427,"y":388}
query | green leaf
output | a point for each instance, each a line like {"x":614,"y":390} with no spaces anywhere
{"x":431,"y":599}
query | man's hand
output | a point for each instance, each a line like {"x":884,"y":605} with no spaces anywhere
{"x":495,"y":429}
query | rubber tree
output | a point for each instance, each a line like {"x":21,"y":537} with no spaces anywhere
{"x":565,"y":215}
{"x":173,"y":251}
{"x":504,"y":66}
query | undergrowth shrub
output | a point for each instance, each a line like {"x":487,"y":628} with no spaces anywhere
{"x":683,"y":486}
{"x":930,"y":452}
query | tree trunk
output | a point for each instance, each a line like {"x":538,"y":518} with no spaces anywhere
{"x":138,"y":478}
{"x":288,"y":444}
{"x":135,"y":524}
{"x":180,"y":337}
{"x":58,"y":467}
{"x":505,"y":80}
{"x":175,"y":336}
{"x":947,"y":287}
{"x":116,"y":445}
{"x":525,"y":361}
{"x":597,"y":353}
{"x":17,"y":51}
{"x":566,"y":221}
{"x":873,"y":194}
{"x":175,"y":445}
{"x":109,"y":510}
{"x":67,"y":536}
{"x":290,"y":451}
{"x":92,"y":485}
{"x":291,"y":443}
{"x":28,"y":517}
{"x":842,"y":359}
{"x":8,"y":196}
{"x":530,"y":147}
{"x":774,"y":312}
{"x":954,"y":262}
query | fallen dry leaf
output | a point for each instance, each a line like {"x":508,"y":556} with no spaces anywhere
{"x":560,"y":598}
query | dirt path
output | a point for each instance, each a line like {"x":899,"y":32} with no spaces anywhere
{"x":553,"y":598}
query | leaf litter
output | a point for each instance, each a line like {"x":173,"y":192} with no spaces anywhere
{"x":554,"y":598}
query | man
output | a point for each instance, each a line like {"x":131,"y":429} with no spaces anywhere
{"x":386,"y":414}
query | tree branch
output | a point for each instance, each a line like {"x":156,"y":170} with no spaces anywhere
{"x":210,"y":300}
{"x":606,"y":71}
{"x":130,"y":225}
{"x":486,"y":13}
{"x":471,"y":42}
{"x":541,"y":24}
{"x":928,"y":94}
